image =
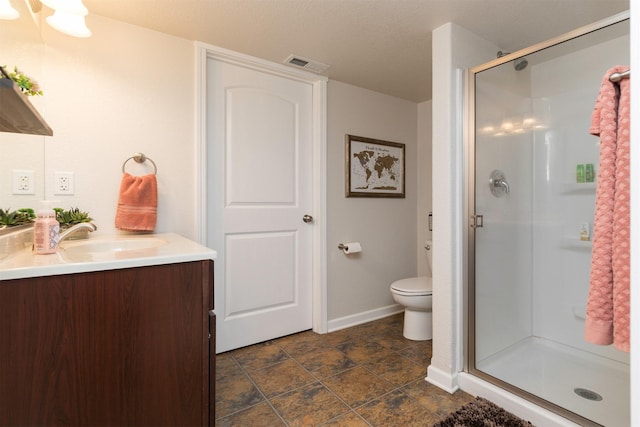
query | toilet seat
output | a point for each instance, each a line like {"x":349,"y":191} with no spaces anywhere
{"x":413,"y":286}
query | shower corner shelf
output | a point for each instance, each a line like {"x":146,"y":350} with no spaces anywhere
{"x":574,"y":243}
{"x":578,"y":187}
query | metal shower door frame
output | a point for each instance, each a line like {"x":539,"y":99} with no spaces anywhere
{"x":472,"y":220}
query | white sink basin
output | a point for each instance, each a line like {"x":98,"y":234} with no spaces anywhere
{"x":99,"y":253}
{"x":111,"y":245}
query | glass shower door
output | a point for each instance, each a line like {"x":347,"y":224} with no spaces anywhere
{"x":534,"y":179}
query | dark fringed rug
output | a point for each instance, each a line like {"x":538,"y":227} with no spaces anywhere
{"x":482,"y":413}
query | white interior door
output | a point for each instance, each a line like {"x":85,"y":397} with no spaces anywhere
{"x":259,"y":186}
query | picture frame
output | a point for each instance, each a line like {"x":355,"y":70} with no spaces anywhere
{"x":374,"y":168}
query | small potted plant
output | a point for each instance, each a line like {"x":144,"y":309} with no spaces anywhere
{"x":28,"y":86}
{"x":15,"y":220}
{"x":71,"y":217}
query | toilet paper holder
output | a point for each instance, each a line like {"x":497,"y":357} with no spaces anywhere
{"x":350,"y":248}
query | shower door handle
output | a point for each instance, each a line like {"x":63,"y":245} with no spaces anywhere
{"x":477,"y":221}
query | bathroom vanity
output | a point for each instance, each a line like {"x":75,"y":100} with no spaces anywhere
{"x":123,"y":335}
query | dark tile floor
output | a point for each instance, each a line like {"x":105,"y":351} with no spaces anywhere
{"x":367,"y":375}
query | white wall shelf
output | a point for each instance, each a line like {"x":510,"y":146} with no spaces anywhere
{"x":578,"y":188}
{"x":574,"y":243}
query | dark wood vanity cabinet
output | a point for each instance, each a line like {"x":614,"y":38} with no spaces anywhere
{"x":127,"y":347}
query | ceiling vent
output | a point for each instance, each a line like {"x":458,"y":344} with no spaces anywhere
{"x":306,"y":63}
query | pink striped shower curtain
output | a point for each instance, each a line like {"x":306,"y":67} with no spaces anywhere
{"x":609,"y":294}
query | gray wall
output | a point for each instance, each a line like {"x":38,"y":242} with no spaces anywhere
{"x":358,"y":286}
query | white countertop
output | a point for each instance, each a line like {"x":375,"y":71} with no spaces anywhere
{"x":105,"y":253}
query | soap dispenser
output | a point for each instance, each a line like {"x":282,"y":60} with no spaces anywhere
{"x":46,"y":232}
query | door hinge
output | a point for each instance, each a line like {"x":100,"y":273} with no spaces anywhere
{"x":476,"y":221}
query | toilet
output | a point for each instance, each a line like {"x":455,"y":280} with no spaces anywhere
{"x":415,"y":295}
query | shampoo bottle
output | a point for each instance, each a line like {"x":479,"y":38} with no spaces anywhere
{"x":580,"y":173}
{"x":46,"y":232}
{"x":589,"y":172}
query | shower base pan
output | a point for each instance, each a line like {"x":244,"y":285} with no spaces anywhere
{"x":592,"y":386}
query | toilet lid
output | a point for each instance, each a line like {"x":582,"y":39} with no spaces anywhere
{"x":415,"y":285}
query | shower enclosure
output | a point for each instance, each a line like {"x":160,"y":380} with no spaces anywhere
{"x":533,"y":172}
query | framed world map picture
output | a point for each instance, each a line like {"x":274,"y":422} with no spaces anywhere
{"x":374,"y":168}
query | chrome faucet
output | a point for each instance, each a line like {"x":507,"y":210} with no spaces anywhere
{"x":80,"y":226}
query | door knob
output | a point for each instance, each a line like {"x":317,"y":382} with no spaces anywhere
{"x":307,"y":218}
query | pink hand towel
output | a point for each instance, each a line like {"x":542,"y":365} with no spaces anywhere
{"x":137,"y":203}
{"x":609,"y":293}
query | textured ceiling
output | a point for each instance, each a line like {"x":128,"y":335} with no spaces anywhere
{"x":382,"y":45}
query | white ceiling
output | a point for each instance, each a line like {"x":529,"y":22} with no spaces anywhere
{"x":382,"y":45}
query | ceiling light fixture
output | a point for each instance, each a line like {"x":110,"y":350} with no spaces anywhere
{"x":68,"y":17}
{"x":69,"y":23}
{"x":74,"y":7}
{"x":7,"y":11}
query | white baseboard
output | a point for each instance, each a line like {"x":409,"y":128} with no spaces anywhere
{"x":442,"y":379}
{"x":364,"y":317}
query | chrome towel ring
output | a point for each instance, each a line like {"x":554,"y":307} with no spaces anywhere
{"x":141,"y":158}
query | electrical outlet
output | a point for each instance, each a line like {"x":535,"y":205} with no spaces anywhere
{"x":63,"y":184}
{"x":24,"y":182}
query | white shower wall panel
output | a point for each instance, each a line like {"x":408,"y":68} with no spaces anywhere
{"x":561,"y":259}
{"x":564,"y":102}
{"x":503,"y":245}
{"x":503,"y":313}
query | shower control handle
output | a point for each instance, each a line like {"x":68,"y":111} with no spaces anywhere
{"x":498,"y":184}
{"x":502,"y":183}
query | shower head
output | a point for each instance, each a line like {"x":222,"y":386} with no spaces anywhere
{"x":518,"y":64}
